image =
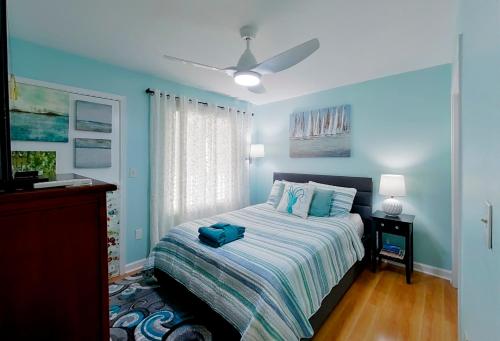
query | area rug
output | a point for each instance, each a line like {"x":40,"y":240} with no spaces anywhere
{"x":140,"y":309}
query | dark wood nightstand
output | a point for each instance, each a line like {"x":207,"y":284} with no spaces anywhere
{"x":401,"y":225}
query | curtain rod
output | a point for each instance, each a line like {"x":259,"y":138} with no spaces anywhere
{"x":149,"y":91}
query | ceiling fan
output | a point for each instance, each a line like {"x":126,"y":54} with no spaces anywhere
{"x":248,"y":72}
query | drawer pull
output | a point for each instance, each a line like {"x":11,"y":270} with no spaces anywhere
{"x":382,"y":224}
{"x":396,"y":227}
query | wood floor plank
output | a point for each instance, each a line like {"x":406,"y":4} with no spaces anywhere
{"x":382,"y":306}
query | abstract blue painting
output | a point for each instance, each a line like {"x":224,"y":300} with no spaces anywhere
{"x":93,"y":116}
{"x":321,"y":133}
{"x":92,"y":153}
{"x":39,"y":114}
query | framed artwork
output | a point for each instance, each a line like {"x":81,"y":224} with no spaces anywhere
{"x":39,"y":114}
{"x":42,"y":161}
{"x":92,"y":116}
{"x":92,"y":153}
{"x":321,"y":133}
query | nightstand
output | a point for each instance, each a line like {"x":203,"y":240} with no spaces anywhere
{"x":401,"y":225}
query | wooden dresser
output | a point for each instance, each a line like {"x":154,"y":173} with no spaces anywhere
{"x":53,"y":264}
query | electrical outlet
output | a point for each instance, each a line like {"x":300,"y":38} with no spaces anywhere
{"x":132,"y":173}
{"x":138,"y":233}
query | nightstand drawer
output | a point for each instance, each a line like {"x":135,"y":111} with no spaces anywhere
{"x":393,"y":227}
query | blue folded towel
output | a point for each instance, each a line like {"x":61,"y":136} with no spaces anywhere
{"x":214,"y":234}
{"x":219,"y":225}
{"x":220,"y":233}
{"x":213,"y":243}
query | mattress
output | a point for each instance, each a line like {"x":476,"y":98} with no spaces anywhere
{"x":358,"y":224}
{"x":268,"y":284}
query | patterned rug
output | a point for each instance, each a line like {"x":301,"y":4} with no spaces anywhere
{"x":140,"y":309}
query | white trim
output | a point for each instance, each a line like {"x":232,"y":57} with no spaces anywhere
{"x":455,"y":165}
{"x":134,"y":266}
{"x":456,"y":189}
{"x":432,"y":270}
{"x":420,"y":267}
{"x":72,"y":89}
{"x":426,"y":269}
{"x":123,"y":183}
{"x":122,"y":104}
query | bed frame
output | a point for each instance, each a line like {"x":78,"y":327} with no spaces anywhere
{"x":363,"y":206}
{"x":223,"y":330}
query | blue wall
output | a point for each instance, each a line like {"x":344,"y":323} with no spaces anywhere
{"x":401,"y":124}
{"x":479,"y":293}
{"x":41,"y":63}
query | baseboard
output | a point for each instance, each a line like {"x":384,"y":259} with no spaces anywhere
{"x":134,"y":266}
{"x":420,"y":267}
{"x":426,"y":269}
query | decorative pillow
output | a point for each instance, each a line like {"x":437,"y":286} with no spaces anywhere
{"x":343,"y":197}
{"x":321,"y":203}
{"x":296,"y":199}
{"x":276,"y":193}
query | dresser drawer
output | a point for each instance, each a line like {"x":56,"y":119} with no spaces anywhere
{"x":393,"y":227}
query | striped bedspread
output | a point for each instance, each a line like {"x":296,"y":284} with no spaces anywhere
{"x":269,"y":283}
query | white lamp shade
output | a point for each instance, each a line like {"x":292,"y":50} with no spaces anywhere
{"x":392,"y":185}
{"x":256,"y":150}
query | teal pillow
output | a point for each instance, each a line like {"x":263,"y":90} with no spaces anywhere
{"x":321,"y":203}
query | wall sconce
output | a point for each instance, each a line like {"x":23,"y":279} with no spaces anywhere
{"x":256,"y":151}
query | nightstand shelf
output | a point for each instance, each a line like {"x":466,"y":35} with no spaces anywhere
{"x":402,"y":226}
{"x":392,"y":258}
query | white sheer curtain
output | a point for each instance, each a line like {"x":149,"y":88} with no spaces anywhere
{"x":198,"y":156}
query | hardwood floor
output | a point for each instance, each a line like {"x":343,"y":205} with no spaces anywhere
{"x":383,"y":307}
{"x":120,"y":277}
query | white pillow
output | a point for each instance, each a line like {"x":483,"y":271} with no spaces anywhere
{"x":296,"y":199}
{"x":276,"y":193}
{"x":343,"y":197}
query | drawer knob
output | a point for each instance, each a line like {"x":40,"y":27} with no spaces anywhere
{"x":382,"y":224}
{"x":396,"y":227}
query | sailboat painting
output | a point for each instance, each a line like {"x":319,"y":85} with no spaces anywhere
{"x":321,"y":133}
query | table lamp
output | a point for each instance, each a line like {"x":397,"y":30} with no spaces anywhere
{"x":392,"y":185}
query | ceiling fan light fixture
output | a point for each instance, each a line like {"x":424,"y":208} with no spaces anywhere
{"x":247,"y":78}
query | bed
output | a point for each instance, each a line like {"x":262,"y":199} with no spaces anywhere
{"x":283,"y":278}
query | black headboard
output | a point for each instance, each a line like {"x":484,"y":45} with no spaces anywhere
{"x":362,"y":201}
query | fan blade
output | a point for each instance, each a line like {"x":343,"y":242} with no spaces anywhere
{"x":230,"y":71}
{"x":258,"y":89}
{"x":288,"y":58}
{"x":184,"y":61}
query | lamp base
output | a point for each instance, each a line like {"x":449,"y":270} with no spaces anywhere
{"x":392,"y":207}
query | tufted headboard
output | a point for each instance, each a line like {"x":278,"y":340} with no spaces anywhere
{"x":362,"y":201}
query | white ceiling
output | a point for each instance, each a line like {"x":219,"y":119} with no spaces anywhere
{"x":360,"y":39}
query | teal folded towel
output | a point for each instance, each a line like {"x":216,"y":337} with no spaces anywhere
{"x":220,"y":233}
{"x":212,"y":243}
{"x":219,"y":225}
{"x":214,"y":234}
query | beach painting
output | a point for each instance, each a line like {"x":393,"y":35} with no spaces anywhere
{"x":39,"y":114}
{"x":321,"y":133}
{"x":92,"y":116}
{"x":92,"y":153}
